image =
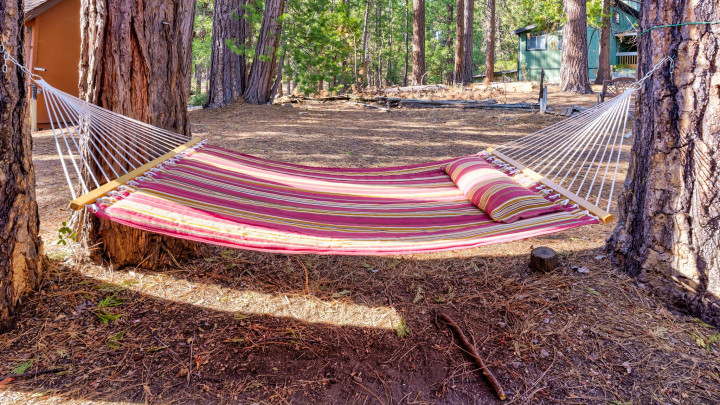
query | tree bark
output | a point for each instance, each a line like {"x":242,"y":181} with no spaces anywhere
{"x":365,"y":47}
{"x":134,"y":60}
{"x":469,"y":17}
{"x":668,"y":232}
{"x":574,"y":75}
{"x":227,"y":68}
{"x":418,"y":43}
{"x":459,"y":40}
{"x":490,"y":54}
{"x":20,"y":245}
{"x":449,"y":44}
{"x":407,"y":45}
{"x":264,"y":64}
{"x":604,"y":72}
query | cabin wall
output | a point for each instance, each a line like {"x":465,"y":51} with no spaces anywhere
{"x":55,"y":46}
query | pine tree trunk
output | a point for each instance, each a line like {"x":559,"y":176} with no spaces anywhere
{"x":490,"y":54}
{"x":134,"y":60}
{"x":227,"y":68}
{"x":418,"y":43}
{"x":264,"y":64}
{"x":459,"y":41}
{"x":20,"y":245}
{"x":467,"y":66}
{"x":574,"y":75}
{"x":668,"y":233}
{"x":449,"y":44}
{"x":407,"y":45}
{"x":604,"y":72}
{"x":198,"y":79}
{"x":365,"y":47}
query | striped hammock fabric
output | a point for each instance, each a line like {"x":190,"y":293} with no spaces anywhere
{"x":222,"y":197}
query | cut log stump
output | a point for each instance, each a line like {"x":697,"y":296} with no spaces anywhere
{"x":543,"y":259}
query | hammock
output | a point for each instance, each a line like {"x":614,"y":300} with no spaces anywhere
{"x":159,"y":181}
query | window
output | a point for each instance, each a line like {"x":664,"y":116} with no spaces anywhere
{"x":616,"y":17}
{"x":536,"y":42}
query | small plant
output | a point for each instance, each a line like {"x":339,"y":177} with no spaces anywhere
{"x":22,"y":367}
{"x":113,"y":341}
{"x":402,"y":329}
{"x":66,"y":233}
{"x":106,"y":317}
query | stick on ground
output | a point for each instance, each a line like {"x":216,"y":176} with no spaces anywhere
{"x":475,"y":355}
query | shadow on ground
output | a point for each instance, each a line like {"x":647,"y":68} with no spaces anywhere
{"x":244,"y":326}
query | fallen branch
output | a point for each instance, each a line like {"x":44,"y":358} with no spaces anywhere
{"x":370,"y":106}
{"x":10,"y":377}
{"x":473,"y":352}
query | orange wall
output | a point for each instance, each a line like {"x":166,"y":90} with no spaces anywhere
{"x":55,"y":46}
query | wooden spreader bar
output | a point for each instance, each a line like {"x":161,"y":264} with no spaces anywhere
{"x":604,"y":216}
{"x":101,"y":191}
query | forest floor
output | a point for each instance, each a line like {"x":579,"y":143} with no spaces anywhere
{"x":240,"y":326}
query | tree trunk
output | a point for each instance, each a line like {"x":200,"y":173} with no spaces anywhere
{"x":469,"y":17}
{"x":20,"y":245}
{"x":134,"y":60}
{"x":407,"y":45}
{"x":227,"y":68}
{"x":459,"y":41}
{"x":449,"y":44}
{"x":418,"y":73}
{"x":668,"y":232}
{"x":603,"y":72}
{"x":365,"y":47}
{"x":198,"y":79}
{"x":490,"y":54}
{"x":264,"y":64}
{"x":574,"y":75}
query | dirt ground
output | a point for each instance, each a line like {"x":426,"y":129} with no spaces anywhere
{"x":247,"y":327}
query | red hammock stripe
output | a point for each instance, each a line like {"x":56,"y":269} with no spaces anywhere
{"x":231,"y":199}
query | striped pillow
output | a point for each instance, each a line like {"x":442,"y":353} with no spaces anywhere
{"x":496,"y":193}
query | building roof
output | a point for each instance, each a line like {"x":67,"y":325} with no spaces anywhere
{"x":34,"y":8}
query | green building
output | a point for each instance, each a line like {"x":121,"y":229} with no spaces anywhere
{"x":538,"y":51}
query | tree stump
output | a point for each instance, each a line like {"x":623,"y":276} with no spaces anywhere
{"x":543,"y":259}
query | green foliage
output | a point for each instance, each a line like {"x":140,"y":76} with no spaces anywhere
{"x":65,"y":233}
{"x":104,"y":316}
{"x":22,"y":367}
{"x":113,"y":341}
{"x":318,"y":37}
{"x":322,"y":40}
{"x":198,"y":99}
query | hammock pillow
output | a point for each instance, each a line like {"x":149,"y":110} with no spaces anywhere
{"x":496,"y":193}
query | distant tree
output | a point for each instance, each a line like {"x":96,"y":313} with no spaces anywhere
{"x":264,"y":65}
{"x":668,"y":231}
{"x":227,"y":73}
{"x":467,"y":66}
{"x":604,"y":71}
{"x":418,"y":72}
{"x":574,"y":75}
{"x":459,"y":40}
{"x":490,"y":34}
{"x":19,"y":224}
{"x":137,"y":76}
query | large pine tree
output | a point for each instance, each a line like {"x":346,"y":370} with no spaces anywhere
{"x":264,"y":66}
{"x":574,"y":75}
{"x":134,"y":60}
{"x":227,"y":67}
{"x":668,"y":231}
{"x":19,"y":223}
